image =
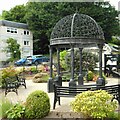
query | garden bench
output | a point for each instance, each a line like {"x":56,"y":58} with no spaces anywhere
{"x":62,"y":91}
{"x":11,"y":85}
{"x":21,"y":80}
{"x":116,"y":74}
{"x":114,"y":90}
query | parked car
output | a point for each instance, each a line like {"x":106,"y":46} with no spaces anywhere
{"x":23,"y":61}
{"x":29,"y":60}
{"x":37,"y":59}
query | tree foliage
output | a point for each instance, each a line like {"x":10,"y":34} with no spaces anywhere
{"x":42,"y":17}
{"x":45,"y":15}
{"x":15,"y":14}
{"x":0,"y":17}
{"x":13,"y":48}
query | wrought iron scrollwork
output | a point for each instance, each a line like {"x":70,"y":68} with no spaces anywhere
{"x":83,"y":27}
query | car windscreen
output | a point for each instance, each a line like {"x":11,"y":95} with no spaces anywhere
{"x":22,"y":59}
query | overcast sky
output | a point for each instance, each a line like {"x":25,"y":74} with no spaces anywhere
{"x":8,"y":4}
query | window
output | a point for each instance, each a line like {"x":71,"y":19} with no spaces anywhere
{"x":26,"y":42}
{"x":8,"y":29}
{"x":12,"y":30}
{"x":26,"y":32}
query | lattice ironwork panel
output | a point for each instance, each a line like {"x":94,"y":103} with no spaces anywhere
{"x":77,"y":25}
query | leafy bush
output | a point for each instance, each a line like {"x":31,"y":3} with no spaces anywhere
{"x":115,"y":41}
{"x":1,"y":80}
{"x":95,"y":104}
{"x":115,"y":116}
{"x":33,"y":69}
{"x":63,"y":61}
{"x":8,"y":72}
{"x":5,"y":105}
{"x":19,"y":69}
{"x":37,"y":105}
{"x":66,"y":77}
{"x":17,"y":111}
{"x":90,"y":76}
{"x":88,"y":60}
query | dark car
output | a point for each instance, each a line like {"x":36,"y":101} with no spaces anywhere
{"x":37,"y":59}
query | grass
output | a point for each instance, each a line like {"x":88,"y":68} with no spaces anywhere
{"x":5,"y":105}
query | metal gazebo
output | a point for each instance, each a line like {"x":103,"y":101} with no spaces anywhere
{"x":75,"y":31}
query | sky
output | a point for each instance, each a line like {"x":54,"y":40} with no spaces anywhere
{"x":8,"y":4}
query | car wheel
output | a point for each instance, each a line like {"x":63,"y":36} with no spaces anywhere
{"x":36,"y":63}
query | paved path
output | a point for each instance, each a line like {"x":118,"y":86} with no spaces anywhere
{"x":23,"y":93}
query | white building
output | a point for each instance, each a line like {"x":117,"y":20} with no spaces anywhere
{"x":19,"y":32}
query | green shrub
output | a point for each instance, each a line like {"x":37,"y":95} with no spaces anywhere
{"x":115,"y":116}
{"x":33,"y":69}
{"x":66,"y":77}
{"x":115,"y":41}
{"x":88,"y":60}
{"x":8,"y":72}
{"x":17,"y":111}
{"x":90,"y":76}
{"x":1,"y":80}
{"x":95,"y":104}
{"x":63,"y":55}
{"x":37,"y":105}
{"x":5,"y":105}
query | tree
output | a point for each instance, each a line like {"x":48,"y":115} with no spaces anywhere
{"x":15,"y":14}
{"x":0,"y":17}
{"x":13,"y":48}
{"x":107,"y":17}
{"x":42,"y":17}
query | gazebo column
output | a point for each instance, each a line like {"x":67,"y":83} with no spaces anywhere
{"x":50,"y":81}
{"x":80,"y":77}
{"x":72,"y":81}
{"x":58,"y":77}
{"x":100,"y":80}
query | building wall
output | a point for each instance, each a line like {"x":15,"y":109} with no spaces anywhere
{"x":25,"y":39}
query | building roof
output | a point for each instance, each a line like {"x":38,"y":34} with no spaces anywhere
{"x":13,"y":24}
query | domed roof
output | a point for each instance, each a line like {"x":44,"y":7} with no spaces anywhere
{"x":76,"y":29}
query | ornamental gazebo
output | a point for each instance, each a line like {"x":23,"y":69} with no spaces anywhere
{"x":75,"y":31}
